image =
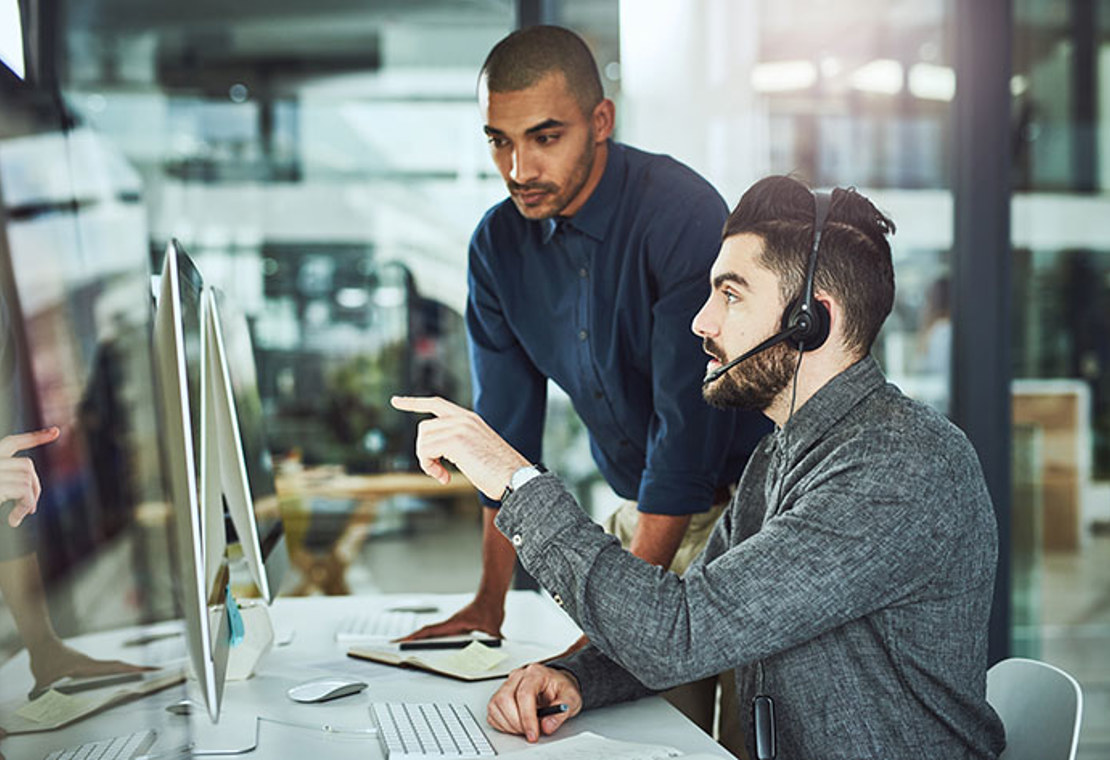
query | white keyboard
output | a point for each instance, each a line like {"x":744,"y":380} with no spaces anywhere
{"x":409,"y":731}
{"x":115,"y":748}
{"x":385,"y":625}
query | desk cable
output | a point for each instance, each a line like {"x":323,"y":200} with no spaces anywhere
{"x":326,"y":728}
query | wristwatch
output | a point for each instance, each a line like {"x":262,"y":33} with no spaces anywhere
{"x":522,"y":476}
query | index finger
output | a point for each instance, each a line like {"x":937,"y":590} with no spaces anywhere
{"x":440,"y":407}
{"x":13,"y":444}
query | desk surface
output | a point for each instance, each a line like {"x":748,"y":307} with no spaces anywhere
{"x":288,"y":729}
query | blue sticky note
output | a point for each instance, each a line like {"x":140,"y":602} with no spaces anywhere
{"x":234,"y":619}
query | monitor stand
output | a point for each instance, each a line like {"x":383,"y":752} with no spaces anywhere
{"x":258,"y":639}
{"x":233,"y":735}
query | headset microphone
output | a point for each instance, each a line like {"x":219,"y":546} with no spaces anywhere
{"x":805,"y":323}
{"x":774,"y":340}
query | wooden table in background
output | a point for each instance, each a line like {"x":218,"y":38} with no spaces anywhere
{"x":298,"y":490}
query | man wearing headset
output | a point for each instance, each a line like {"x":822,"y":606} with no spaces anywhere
{"x":850,"y":581}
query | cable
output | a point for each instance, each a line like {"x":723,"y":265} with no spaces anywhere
{"x":327,"y":728}
{"x":786,"y":430}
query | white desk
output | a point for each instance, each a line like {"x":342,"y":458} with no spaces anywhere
{"x":313,"y":653}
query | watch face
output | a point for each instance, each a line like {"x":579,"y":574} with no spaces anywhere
{"x":520,"y":477}
{"x":524,"y":474}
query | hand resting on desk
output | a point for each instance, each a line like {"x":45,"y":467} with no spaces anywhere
{"x":475,"y":616}
{"x":512,"y":708}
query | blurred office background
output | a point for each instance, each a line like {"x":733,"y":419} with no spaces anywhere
{"x":324,"y":164}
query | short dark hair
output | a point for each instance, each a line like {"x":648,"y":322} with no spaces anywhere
{"x":853,"y":265}
{"x":527,"y":55}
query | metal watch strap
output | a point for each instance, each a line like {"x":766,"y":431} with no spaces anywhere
{"x":522,"y":476}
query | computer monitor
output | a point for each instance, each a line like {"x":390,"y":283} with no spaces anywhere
{"x":179,"y":356}
{"x":246,"y":468}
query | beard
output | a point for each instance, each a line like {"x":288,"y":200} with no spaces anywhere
{"x":557,"y":198}
{"x":754,"y":383}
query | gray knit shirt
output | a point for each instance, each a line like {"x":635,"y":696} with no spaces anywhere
{"x":850,"y":581}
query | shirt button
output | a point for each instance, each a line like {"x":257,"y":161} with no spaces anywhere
{"x":582,"y":335}
{"x":583,"y":273}
{"x":557,"y":599}
{"x":598,"y":393}
{"x":517,"y":540}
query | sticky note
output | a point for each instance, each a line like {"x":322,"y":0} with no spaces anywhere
{"x":476,"y":657}
{"x":53,"y":708}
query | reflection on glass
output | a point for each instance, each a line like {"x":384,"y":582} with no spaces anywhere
{"x":85,"y":576}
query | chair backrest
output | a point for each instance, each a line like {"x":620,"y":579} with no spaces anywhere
{"x":1040,"y":706}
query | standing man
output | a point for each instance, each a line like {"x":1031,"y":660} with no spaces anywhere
{"x":588,"y":275}
{"x":849,"y":583}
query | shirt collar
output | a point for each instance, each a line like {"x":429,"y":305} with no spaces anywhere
{"x":593,"y":218}
{"x":832,"y":402}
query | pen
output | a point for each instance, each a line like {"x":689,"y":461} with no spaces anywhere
{"x":455,"y":644}
{"x":543,"y":712}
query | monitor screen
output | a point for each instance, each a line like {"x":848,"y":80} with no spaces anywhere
{"x":246,"y":467}
{"x":190,"y":285}
{"x":197,"y":549}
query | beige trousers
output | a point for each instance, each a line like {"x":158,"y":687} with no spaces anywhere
{"x":698,"y":700}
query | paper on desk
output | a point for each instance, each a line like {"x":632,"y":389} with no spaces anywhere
{"x":590,"y":746}
{"x":53,"y":708}
{"x":475,"y":657}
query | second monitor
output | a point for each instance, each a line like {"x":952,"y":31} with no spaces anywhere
{"x":246,"y":473}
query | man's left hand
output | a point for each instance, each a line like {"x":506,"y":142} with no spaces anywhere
{"x":462,"y":437}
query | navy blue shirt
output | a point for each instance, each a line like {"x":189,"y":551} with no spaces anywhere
{"x":601,"y":303}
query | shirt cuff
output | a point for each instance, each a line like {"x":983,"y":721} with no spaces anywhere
{"x":600,"y":680}
{"x":555,"y":540}
{"x":536,"y":513}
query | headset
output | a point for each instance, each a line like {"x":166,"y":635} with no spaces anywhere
{"x":805,"y":321}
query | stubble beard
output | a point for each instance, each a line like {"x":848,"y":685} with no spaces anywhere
{"x":559,"y":200}
{"x":754,"y":383}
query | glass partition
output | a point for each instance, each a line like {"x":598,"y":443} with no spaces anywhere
{"x":86,"y":587}
{"x":1061,"y":389}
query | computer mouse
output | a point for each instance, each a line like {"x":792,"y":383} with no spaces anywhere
{"x":325,"y":689}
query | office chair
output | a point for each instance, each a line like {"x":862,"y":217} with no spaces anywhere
{"x":1040,"y":706}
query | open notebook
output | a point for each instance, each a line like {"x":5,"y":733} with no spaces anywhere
{"x":476,"y":662}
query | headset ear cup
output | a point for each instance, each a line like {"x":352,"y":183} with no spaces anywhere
{"x":816,"y":334}
{"x":820,"y":331}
